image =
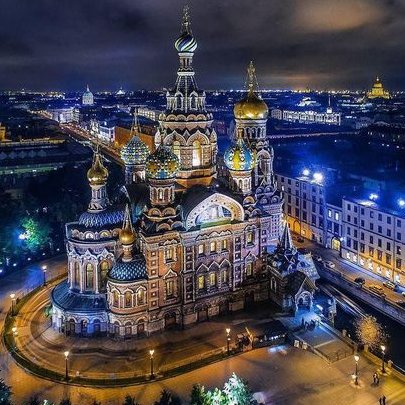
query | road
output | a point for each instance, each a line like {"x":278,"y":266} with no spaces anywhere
{"x":351,"y":270}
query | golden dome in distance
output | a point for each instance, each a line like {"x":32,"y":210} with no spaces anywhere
{"x":251,"y":107}
{"x":127,"y":235}
{"x":97,"y":174}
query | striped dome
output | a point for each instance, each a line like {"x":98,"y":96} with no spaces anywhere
{"x":134,"y":152}
{"x":185,"y":43}
{"x":239,"y":157}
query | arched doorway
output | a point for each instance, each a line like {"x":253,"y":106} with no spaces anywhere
{"x":71,"y":327}
{"x":128,"y":330}
{"x":170,"y":320}
{"x":249,"y":299}
{"x":140,"y":328}
{"x":83,"y":327}
{"x":335,"y":243}
{"x":116,"y":329}
{"x":96,"y":327}
{"x":202,"y":314}
{"x":297,"y":227}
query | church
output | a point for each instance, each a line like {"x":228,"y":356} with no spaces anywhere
{"x":183,"y":244}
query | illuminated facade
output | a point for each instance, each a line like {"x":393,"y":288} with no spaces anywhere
{"x":190,"y":244}
{"x":377,"y":91}
{"x":87,"y":97}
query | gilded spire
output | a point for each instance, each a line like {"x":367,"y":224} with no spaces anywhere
{"x":127,"y":236}
{"x":135,"y":124}
{"x":97,"y":174}
{"x":251,"y":80}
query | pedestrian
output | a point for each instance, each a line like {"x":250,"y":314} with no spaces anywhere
{"x":383,"y":400}
{"x":374,"y":378}
{"x":378,"y":379}
{"x":380,"y":401}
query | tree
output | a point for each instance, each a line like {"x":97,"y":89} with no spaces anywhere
{"x":166,"y":398}
{"x":130,"y":400}
{"x":35,"y":233}
{"x":5,"y":393}
{"x":34,"y":400}
{"x":65,"y":401}
{"x":198,"y":395}
{"x":369,"y":332}
{"x":237,"y":391}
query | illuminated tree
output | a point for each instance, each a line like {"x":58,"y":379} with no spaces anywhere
{"x":198,"y":395}
{"x":237,"y":391}
{"x":35,"y":233}
{"x":369,"y":331}
{"x":129,"y":400}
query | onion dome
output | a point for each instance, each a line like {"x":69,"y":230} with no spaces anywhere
{"x":162,"y":164}
{"x":129,"y":271}
{"x":185,"y":42}
{"x":134,"y":152}
{"x":97,"y":174}
{"x":238,"y":156}
{"x":251,"y":107}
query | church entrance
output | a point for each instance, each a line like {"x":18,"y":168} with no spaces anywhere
{"x":170,"y":320}
{"x":335,"y":244}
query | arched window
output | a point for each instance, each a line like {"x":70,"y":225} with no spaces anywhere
{"x":213,"y":247}
{"x":224,"y":278}
{"x":128,"y":299}
{"x":201,"y":282}
{"x":104,"y":267}
{"x":213,"y":279}
{"x":170,"y":288}
{"x":115,"y":299}
{"x":76,"y":274}
{"x":140,"y":296}
{"x":196,"y":153}
{"x":160,"y":194}
{"x":89,"y":276}
{"x":176,"y":148}
{"x":249,"y":269}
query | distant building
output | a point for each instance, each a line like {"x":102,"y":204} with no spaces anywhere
{"x":62,"y":115}
{"x":106,"y":131}
{"x":307,"y":116}
{"x":149,"y":113}
{"x":87,"y":98}
{"x":377,"y":91}
{"x":2,"y":133}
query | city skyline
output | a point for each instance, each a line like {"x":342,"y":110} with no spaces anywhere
{"x":321,"y":45}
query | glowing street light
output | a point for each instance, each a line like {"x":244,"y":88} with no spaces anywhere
{"x":66,"y":365}
{"x":228,"y":339}
{"x":383,"y":358}
{"x":44,"y":268}
{"x":373,"y":196}
{"x":318,"y":177}
{"x":306,"y":172}
{"x":356,"y":374}
{"x":401,"y":203}
{"x":12,"y":296}
{"x":151,"y":353}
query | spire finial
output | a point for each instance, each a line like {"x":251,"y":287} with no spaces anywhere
{"x":127,"y":223}
{"x":127,"y":235}
{"x":251,"y":80}
{"x":186,"y":24}
{"x":88,"y":88}
{"x":135,"y":124}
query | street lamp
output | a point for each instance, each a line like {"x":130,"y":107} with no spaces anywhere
{"x":356,"y":374}
{"x":44,"y":267}
{"x":12,"y":296}
{"x":66,"y":365}
{"x":383,"y":358}
{"x":151,"y":353}
{"x":228,"y":339}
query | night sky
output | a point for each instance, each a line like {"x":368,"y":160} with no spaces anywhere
{"x":322,"y":44}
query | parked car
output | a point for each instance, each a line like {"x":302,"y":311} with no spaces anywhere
{"x":389,"y":284}
{"x":317,"y":257}
{"x":359,"y":280}
{"x":329,"y":264}
{"x":376,"y":289}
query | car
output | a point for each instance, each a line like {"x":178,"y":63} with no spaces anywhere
{"x":389,"y":284}
{"x":376,"y":289}
{"x":359,"y":280}
{"x":329,"y":264}
{"x":317,"y":257}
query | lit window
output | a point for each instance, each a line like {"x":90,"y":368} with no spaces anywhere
{"x":213,"y":247}
{"x":336,"y":216}
{"x":249,"y":237}
{"x":201,"y":249}
{"x":224,"y":244}
{"x":141,"y":297}
{"x":249,"y":269}
{"x":128,"y":299}
{"x":170,"y":288}
{"x":213,"y":279}
{"x":115,"y":299}
{"x":169,"y":254}
{"x":224,"y":276}
{"x":201,"y":282}
{"x":89,"y":276}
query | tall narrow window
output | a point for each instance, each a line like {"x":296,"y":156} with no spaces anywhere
{"x":213,"y":279}
{"x":201,"y":282}
{"x":104,"y":267}
{"x":213,"y":247}
{"x":224,"y":277}
{"x":128,"y":299}
{"x":200,"y":249}
{"x":115,"y":299}
{"x":89,"y":276}
{"x":176,"y":148}
{"x":249,"y":237}
{"x":76,"y":274}
{"x":141,"y":296}
{"x":170,"y":288}
{"x":196,"y":153}
{"x":249,"y":269}
{"x":224,"y":244}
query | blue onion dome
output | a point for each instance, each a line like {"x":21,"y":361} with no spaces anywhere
{"x":162,"y":164}
{"x":129,"y":271}
{"x":185,"y":43}
{"x":238,"y":156}
{"x":134,"y":152}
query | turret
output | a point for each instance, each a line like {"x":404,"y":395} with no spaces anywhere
{"x":97,"y":176}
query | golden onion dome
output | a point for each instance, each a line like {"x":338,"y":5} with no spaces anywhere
{"x":127,"y":236}
{"x":97,"y":174}
{"x":251,"y":107}
{"x":162,"y":164}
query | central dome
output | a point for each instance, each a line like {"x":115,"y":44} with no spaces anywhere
{"x":251,"y":107}
{"x":134,"y":152}
{"x":162,"y":164}
{"x":97,"y":174}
